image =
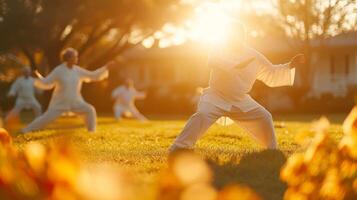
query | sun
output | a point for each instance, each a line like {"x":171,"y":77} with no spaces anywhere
{"x":210,"y":24}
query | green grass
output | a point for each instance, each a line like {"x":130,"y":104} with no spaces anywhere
{"x":142,"y":147}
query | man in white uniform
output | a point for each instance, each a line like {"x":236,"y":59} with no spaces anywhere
{"x":235,"y":68}
{"x":67,"y":80}
{"x":24,"y":90}
{"x":125,"y":97}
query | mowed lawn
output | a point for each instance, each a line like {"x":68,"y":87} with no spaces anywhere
{"x":142,"y":148}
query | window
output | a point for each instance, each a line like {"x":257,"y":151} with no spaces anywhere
{"x":347,"y":65}
{"x":340,"y":65}
{"x":332,"y":65}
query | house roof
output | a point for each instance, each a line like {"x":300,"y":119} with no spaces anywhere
{"x":343,"y":40}
{"x":275,"y":45}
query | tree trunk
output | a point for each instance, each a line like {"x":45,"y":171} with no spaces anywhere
{"x":53,"y":59}
{"x":31,"y":58}
{"x":306,"y":72}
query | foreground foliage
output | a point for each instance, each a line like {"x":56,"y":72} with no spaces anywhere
{"x":326,"y":170}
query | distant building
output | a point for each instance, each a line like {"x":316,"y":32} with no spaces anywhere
{"x":334,"y":62}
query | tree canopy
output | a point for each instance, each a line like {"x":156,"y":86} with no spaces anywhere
{"x":100,"y":30}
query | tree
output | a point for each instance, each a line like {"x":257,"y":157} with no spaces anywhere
{"x":100,"y":30}
{"x":308,"y":20}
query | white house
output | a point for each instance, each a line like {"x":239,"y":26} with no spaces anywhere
{"x":334,"y":64}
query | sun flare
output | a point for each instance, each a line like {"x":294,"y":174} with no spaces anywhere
{"x":210,"y":24}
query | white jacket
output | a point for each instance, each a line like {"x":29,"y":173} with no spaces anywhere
{"x":229,"y":86}
{"x":67,"y":84}
{"x":24,"y":90}
{"x":126,"y":96}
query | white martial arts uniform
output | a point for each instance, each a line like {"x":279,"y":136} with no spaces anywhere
{"x":66,"y":97}
{"x":24,"y":90}
{"x":227,"y":95}
{"x":125,"y":102}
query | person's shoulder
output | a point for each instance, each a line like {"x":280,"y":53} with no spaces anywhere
{"x":77,"y":67}
{"x":254,"y":52}
{"x":251,"y":50}
{"x":59,"y":67}
{"x":120,"y":87}
{"x":17,"y":81}
{"x":20,"y":78}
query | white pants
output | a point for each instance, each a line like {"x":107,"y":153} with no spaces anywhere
{"x":84,"y":109}
{"x":34,"y":106}
{"x":257,"y":122}
{"x":120,"y":109}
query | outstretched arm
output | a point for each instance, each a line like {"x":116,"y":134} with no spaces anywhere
{"x":13,"y":89}
{"x":97,"y":75}
{"x":45,"y":83}
{"x":277,"y":75}
{"x":140,"y":95}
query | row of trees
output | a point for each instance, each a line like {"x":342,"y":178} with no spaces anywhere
{"x":102,"y":30}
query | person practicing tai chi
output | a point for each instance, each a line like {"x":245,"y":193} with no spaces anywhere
{"x":24,"y":90}
{"x":125,"y":97}
{"x":67,"y":80}
{"x":234,"y":69}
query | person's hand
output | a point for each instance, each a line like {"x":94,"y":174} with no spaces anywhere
{"x":297,"y":60}
{"x":38,"y":75}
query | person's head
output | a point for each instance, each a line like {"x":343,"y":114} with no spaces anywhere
{"x":236,"y":35}
{"x":26,"y":71}
{"x":69,"y":56}
{"x":129,"y":83}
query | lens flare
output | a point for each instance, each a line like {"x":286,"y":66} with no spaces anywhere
{"x":210,"y":24}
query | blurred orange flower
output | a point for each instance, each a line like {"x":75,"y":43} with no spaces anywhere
{"x":326,"y":170}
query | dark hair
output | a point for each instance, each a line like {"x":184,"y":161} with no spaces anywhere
{"x":68,"y":53}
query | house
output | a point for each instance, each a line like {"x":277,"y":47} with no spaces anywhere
{"x":334,"y":64}
{"x":184,"y":64}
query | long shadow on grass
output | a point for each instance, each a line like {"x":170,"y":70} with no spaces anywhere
{"x":259,"y":170}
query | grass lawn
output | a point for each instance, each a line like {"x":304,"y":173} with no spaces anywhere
{"x":142,"y":147}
